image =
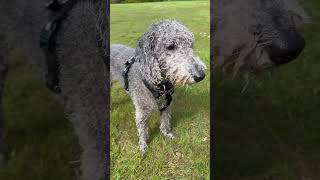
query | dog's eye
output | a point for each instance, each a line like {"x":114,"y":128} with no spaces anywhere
{"x":171,"y":47}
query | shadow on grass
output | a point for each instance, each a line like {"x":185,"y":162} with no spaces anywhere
{"x":41,"y":139}
{"x":266,"y":132}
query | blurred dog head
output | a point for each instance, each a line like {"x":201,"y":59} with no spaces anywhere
{"x":252,"y":35}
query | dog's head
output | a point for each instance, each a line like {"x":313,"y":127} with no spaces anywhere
{"x":166,"y":53}
{"x":253,"y":35}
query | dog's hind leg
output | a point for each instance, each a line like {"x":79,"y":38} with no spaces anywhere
{"x":3,"y":72}
{"x":165,"y":117}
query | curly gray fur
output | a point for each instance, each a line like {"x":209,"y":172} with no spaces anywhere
{"x":82,"y":42}
{"x":164,"y":52}
{"x":241,"y":29}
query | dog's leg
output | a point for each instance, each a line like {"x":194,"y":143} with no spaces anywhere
{"x":87,"y":109}
{"x":92,"y":161}
{"x":84,"y":81}
{"x":87,"y":106}
{"x":165,"y":117}
{"x":142,"y":126}
{"x":143,"y":111}
{"x":3,"y":72}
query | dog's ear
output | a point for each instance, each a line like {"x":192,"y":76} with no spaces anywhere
{"x":146,"y":55}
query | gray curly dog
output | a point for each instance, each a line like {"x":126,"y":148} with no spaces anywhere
{"x":163,"y":58}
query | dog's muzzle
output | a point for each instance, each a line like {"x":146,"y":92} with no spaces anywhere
{"x":199,"y":76}
{"x":287,"y":47}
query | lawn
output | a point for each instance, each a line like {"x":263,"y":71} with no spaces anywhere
{"x":271,"y":131}
{"x":186,"y":157}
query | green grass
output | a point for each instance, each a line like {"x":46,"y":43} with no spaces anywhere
{"x":272,"y":130}
{"x":143,"y":1}
{"x":40,"y":138}
{"x":186,"y":157}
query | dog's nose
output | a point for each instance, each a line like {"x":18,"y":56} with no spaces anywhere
{"x":287,"y":47}
{"x":199,"y":76}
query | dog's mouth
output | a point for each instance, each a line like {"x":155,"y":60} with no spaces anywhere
{"x":244,"y":60}
{"x":184,"y":71}
{"x":262,"y":60}
{"x":181,"y":80}
{"x":187,"y":79}
{"x":258,"y":56}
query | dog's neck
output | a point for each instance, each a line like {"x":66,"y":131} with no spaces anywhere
{"x":160,"y":87}
{"x":164,"y":89}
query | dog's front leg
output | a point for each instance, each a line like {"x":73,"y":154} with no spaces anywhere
{"x":142,"y":114}
{"x":90,"y":125}
{"x":165,"y":117}
{"x":142,"y":126}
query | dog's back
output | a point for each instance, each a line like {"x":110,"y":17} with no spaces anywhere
{"x":119,"y":54}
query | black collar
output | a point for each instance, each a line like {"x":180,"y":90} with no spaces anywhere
{"x":127,"y":67}
{"x":161,"y":89}
{"x":164,"y":89}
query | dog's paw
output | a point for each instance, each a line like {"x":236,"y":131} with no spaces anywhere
{"x":143,"y":147}
{"x":169,"y":135}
